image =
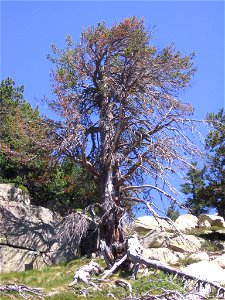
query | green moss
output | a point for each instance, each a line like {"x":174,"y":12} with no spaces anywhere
{"x":24,"y":189}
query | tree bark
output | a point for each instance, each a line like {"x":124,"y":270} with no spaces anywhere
{"x":110,"y":231}
{"x":109,"y":191}
{"x":221,"y":209}
{"x":108,"y":214}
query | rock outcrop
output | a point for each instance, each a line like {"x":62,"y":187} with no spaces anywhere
{"x":185,"y":243}
{"x":220,"y":260}
{"x":183,"y":223}
{"x":163,"y":255}
{"x":174,"y":241}
{"x":186,"y":222}
{"x":146,"y":223}
{"x":8,"y":192}
{"x":156,"y":239}
{"x":179,"y":247}
{"x":33,"y":236}
{"x":199,"y":256}
{"x":213,"y":220}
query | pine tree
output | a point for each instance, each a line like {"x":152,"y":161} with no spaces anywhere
{"x":121,"y":116}
{"x":215,"y":145}
{"x":193,"y":187}
{"x":63,"y":185}
{"x":206,"y":186}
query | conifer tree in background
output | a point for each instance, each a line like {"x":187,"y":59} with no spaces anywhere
{"x":206,"y":186}
{"x":63,"y":186}
{"x":215,"y":169}
{"x":173,"y":211}
{"x":193,"y":187}
{"x":17,"y":151}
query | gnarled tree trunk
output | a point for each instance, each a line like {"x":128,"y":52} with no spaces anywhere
{"x":109,"y":227}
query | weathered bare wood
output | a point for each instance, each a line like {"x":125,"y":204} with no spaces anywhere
{"x":136,"y":258}
{"x":115,"y":266}
{"x":108,"y":256}
{"x":134,"y":248}
{"x":157,"y":265}
{"x":23,"y":290}
{"x":84,"y":273}
{"x":125,"y":284}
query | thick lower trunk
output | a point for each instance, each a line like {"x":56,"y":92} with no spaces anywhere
{"x":109,"y":230}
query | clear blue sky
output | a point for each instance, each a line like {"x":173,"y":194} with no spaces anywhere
{"x":28,"y":28}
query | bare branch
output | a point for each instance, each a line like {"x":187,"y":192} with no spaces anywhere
{"x":23,"y":290}
{"x":141,"y":187}
{"x":115,"y":266}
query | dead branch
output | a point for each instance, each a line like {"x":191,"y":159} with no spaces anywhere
{"x":134,"y":250}
{"x":107,"y":253}
{"x":157,"y":216}
{"x":139,"y":259}
{"x":72,"y":229}
{"x":157,"y":292}
{"x":115,"y":266}
{"x":91,"y":209}
{"x":23,"y":290}
{"x":171,"y":295}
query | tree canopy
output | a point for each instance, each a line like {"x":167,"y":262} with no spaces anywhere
{"x":122,"y":118}
{"x":193,"y":185}
{"x":17,"y":117}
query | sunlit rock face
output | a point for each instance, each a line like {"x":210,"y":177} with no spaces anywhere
{"x":213,"y":220}
{"x":29,"y":234}
{"x":207,"y":270}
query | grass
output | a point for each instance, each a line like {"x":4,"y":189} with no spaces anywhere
{"x":52,"y":278}
{"x":210,"y":246}
{"x":55,"y":279}
{"x":210,"y":235}
{"x":47,"y":278}
{"x":187,"y":261}
{"x":156,"y":282}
